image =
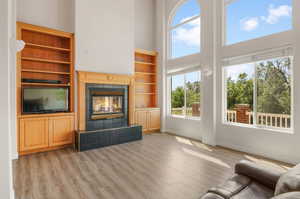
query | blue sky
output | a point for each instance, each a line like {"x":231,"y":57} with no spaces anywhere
{"x":178,"y":80}
{"x":256,"y":18}
{"x":246,"y":20}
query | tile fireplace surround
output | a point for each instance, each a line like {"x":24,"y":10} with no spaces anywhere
{"x":101,"y":80}
{"x":107,"y":119}
{"x":100,"y":124}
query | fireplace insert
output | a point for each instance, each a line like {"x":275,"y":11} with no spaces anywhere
{"x":107,"y":104}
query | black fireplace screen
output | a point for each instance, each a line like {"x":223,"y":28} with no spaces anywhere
{"x":107,"y":104}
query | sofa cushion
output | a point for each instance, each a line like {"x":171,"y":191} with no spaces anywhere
{"x":212,"y":196}
{"x":288,"y":182}
{"x":231,"y":186}
{"x":290,"y":195}
{"x":255,"y":190}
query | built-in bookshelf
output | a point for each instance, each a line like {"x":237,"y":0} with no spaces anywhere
{"x":145,"y":79}
{"x":47,"y":56}
{"x":46,"y":61}
{"x":147,"y":112}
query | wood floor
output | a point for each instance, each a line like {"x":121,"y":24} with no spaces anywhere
{"x":158,"y":167}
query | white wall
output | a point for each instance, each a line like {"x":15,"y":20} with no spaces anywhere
{"x":6,"y":188}
{"x":105,"y":36}
{"x":145,"y":24}
{"x":57,"y":14}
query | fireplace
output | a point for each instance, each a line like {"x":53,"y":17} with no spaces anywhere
{"x":107,"y":106}
{"x":105,"y":110}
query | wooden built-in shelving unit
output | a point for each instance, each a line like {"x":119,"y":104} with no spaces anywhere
{"x":147,"y":112}
{"x":48,"y":55}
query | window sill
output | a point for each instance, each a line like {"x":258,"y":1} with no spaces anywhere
{"x":185,"y":118}
{"x":275,"y":130}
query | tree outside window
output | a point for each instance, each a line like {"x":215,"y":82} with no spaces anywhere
{"x":260,"y":93}
{"x":185,"y":94}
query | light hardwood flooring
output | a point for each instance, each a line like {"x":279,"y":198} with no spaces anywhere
{"x":160,"y":166}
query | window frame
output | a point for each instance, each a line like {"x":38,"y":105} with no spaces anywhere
{"x":170,"y":28}
{"x":255,"y":125}
{"x":169,"y":94}
{"x":224,"y":26}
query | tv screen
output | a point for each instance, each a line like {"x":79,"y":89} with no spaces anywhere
{"x":45,"y":100}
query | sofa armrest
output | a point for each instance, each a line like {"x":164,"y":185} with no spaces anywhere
{"x":267,"y":176}
{"x":211,"y":196}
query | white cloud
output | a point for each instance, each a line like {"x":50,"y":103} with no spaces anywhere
{"x":249,"y":24}
{"x":276,"y":13}
{"x":189,"y":33}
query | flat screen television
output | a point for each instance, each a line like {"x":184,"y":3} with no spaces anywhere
{"x":45,"y":100}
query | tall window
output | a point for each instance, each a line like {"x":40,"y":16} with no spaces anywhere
{"x":185,"y":30}
{"x":260,"y":93}
{"x":246,"y":20}
{"x":185,"y":94}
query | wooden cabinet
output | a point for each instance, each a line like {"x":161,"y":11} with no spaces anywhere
{"x":33,"y":134}
{"x":148,"y":118}
{"x":45,"y":132}
{"x":154,"y":120}
{"x":61,"y":131}
{"x":142,"y":118}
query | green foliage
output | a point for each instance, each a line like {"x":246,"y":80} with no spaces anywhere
{"x":273,"y":80}
{"x":193,"y":95}
{"x":274,"y":86}
{"x":178,"y":97}
{"x":239,"y":91}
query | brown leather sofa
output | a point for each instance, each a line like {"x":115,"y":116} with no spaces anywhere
{"x":256,"y":181}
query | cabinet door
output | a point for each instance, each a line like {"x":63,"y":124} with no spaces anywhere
{"x":141,"y":118}
{"x":33,"y":134}
{"x":154,"y":120}
{"x":61,"y":130}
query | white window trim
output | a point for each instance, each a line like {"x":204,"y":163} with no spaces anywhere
{"x":170,"y":28}
{"x":169,"y":97}
{"x":288,"y":53}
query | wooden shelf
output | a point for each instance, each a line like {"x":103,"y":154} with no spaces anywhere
{"x":145,"y":63}
{"x":48,"y":47}
{"x":145,"y":52}
{"x":45,"y":60}
{"x":145,"y":83}
{"x":140,"y":93}
{"x":48,"y":72}
{"x":144,"y":73}
{"x":44,"y":84}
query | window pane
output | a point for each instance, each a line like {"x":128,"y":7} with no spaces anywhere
{"x":274,"y":93}
{"x":186,"y":39}
{"x":193,"y":94}
{"x":239,"y":84}
{"x":256,"y":18}
{"x":177,"y":95}
{"x":186,"y":11}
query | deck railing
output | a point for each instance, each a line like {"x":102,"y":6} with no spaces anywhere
{"x":231,"y":116}
{"x":271,"y":120}
{"x":180,"y":111}
{"x":264,"y":119}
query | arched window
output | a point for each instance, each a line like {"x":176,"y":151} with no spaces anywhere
{"x":246,"y":20}
{"x":184,"y":30}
